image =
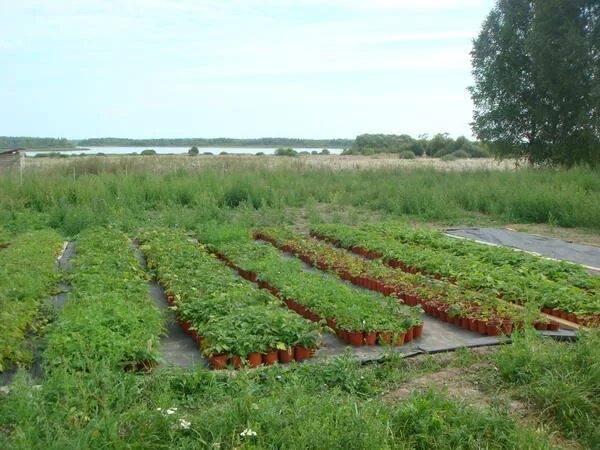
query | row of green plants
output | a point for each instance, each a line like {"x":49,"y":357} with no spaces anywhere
{"x":109,"y":319}
{"x":555,"y":270}
{"x":28,"y":274}
{"x":357,"y":317}
{"x":513,"y":284}
{"x":232,"y":320}
{"x":476,"y":311}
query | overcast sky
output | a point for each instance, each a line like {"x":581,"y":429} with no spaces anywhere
{"x":236,"y":68}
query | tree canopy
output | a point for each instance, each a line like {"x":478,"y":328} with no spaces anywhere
{"x":536,"y":65}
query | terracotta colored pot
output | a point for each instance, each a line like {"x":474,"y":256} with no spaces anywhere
{"x":465,"y":322}
{"x":473,"y":325}
{"x":408,"y":336}
{"x":355,"y":338}
{"x":540,"y":326}
{"x":301,"y":353}
{"x":507,"y":327}
{"x":236,"y":361}
{"x":371,"y":338}
{"x":553,"y":326}
{"x":481,"y":326}
{"x":547,"y":310}
{"x":385,"y":337}
{"x":254,"y":359}
{"x":418,"y":331}
{"x":400,"y":339}
{"x":218,"y":362}
{"x":411,"y":300}
{"x":268,"y":359}
{"x":492,"y":329}
{"x":285,"y":356}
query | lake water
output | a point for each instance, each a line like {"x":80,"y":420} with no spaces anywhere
{"x":180,"y":150}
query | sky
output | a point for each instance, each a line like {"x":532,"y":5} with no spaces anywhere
{"x":236,"y":68}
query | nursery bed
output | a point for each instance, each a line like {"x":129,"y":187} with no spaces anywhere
{"x":176,"y":348}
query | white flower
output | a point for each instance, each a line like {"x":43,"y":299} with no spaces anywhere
{"x":185,"y":424}
{"x":159,"y":409}
{"x":171,"y":411}
{"x":248,"y":432}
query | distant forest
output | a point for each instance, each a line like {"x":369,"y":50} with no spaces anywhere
{"x":12,"y":142}
{"x":217,"y":142}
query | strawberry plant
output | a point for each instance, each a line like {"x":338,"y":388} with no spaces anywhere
{"x":28,"y":275}
{"x":109,"y":319}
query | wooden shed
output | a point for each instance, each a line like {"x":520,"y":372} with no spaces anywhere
{"x":11,"y":159}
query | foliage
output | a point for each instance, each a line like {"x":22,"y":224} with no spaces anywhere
{"x":12,"y":142}
{"x":407,"y":154}
{"x":216,"y":142}
{"x":281,"y":151}
{"x":28,"y":274}
{"x":537,"y":81}
{"x":521,"y":278}
{"x":562,"y":379}
{"x":233,"y":316}
{"x":108,"y":319}
{"x":439,"y":145}
{"x":148,"y":152}
{"x":353,"y":310}
{"x":193,"y":151}
{"x":83,"y":192}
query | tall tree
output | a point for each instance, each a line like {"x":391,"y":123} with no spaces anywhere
{"x":536,"y":91}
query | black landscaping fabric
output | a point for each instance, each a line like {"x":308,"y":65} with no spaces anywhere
{"x":587,"y":255}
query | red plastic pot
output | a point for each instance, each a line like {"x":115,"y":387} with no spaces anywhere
{"x":355,"y":338}
{"x":268,"y":359}
{"x":481,"y":326}
{"x":285,"y":356}
{"x":218,"y":362}
{"x":507,"y":327}
{"x":408,"y":336}
{"x":254,"y":359}
{"x":371,"y":338}
{"x":540,"y":326}
{"x":553,"y":326}
{"x":465,"y":322}
{"x":399,"y":339}
{"x":473,"y":325}
{"x":301,"y":353}
{"x":492,"y":329}
{"x":236,"y":361}
{"x":385,"y":337}
{"x":418,"y":331}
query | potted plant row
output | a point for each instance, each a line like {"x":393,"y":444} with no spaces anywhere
{"x":409,"y":287}
{"x":346,"y":311}
{"x":234,"y":323}
{"x":108,"y":319}
{"x":514,"y":284}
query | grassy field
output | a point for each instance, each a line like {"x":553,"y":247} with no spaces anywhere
{"x":533,"y":393}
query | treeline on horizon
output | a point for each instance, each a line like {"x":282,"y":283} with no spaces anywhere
{"x":14,"y":142}
{"x":217,"y":142}
{"x":440,"y":145}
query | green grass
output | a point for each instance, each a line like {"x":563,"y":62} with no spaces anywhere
{"x":561,"y":379}
{"x":335,"y":405}
{"x":89,"y":192}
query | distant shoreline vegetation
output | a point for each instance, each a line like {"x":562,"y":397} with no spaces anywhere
{"x":216,"y":142}
{"x":37,"y":143}
{"x":405,"y":146}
